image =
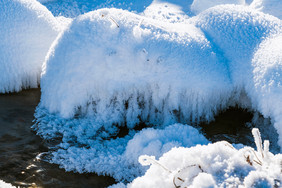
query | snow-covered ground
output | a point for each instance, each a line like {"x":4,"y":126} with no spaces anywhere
{"x":152,"y":62}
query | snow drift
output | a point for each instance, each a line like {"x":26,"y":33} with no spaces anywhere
{"x":27,"y":31}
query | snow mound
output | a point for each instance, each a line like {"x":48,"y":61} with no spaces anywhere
{"x":119,"y":157}
{"x":27,"y":31}
{"x":201,"y":5}
{"x":117,"y":67}
{"x":213,"y":165}
{"x":272,"y":7}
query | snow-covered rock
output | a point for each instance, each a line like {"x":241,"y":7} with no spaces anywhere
{"x":27,"y":31}
{"x":119,"y":67}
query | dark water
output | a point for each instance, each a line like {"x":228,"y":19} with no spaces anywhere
{"x":19,"y":145}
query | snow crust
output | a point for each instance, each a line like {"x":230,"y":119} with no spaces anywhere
{"x":27,"y":31}
{"x":213,"y":165}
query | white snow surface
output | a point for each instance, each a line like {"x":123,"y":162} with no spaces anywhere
{"x":212,"y":165}
{"x":27,"y":31}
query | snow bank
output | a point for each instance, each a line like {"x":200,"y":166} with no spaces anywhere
{"x":272,"y":7}
{"x":119,"y":157}
{"x":27,"y":31}
{"x":213,"y":165}
{"x":201,"y":5}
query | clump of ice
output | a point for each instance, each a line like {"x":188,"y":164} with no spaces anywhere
{"x":119,"y":157}
{"x":272,"y":7}
{"x":201,"y":5}
{"x":218,"y":164}
{"x":27,"y":31}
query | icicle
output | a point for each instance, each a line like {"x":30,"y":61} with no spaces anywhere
{"x":258,"y":141}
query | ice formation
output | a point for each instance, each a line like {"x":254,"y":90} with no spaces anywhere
{"x":27,"y":31}
{"x":119,"y":157}
{"x":213,"y":165}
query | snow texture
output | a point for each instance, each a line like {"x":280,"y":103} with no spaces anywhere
{"x":27,"y":31}
{"x":119,"y":157}
{"x":212,"y":165}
